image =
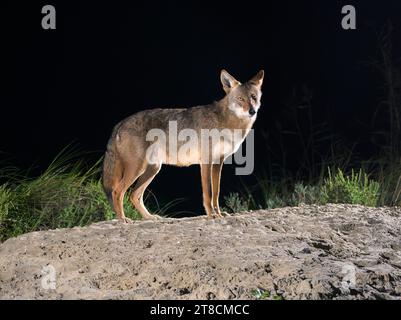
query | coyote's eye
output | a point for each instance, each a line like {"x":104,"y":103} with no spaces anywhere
{"x":253,"y":97}
{"x":240,"y":99}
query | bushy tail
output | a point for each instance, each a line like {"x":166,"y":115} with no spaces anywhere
{"x":110,"y":171}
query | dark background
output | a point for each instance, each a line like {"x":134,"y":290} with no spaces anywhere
{"x":107,"y":60}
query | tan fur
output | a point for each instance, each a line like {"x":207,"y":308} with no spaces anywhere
{"x":126,"y":157}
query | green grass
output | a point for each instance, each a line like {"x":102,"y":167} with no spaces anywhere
{"x":356,"y":187}
{"x":389,"y":179}
{"x":261,"y":294}
{"x":233,"y":203}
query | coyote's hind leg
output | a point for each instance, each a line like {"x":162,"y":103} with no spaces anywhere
{"x":137,"y":193}
{"x":130,"y":174}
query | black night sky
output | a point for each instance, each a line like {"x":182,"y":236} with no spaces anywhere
{"x":107,"y":60}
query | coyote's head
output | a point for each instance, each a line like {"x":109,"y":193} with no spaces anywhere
{"x":243,"y":99}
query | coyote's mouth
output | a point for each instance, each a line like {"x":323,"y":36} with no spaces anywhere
{"x":239,"y":111}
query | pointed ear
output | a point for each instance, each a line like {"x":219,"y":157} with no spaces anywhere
{"x":228,"y":81}
{"x":258,"y":79}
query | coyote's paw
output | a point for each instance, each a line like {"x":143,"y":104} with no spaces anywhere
{"x":152,"y":217}
{"x":214,"y":215}
{"x":126,"y":220}
{"x":218,"y":214}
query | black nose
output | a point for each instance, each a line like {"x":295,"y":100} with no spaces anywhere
{"x":252,"y":111}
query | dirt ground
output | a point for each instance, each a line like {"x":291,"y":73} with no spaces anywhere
{"x":307,"y":252}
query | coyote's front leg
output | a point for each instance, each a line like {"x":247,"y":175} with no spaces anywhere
{"x":216,"y":176}
{"x":206,"y":177}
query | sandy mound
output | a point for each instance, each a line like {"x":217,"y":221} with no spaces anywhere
{"x":309,"y":252}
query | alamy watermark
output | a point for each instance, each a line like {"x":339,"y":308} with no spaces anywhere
{"x":207,"y":146}
{"x":349,"y":277}
{"x":48,"y":279}
{"x":348,"y":21}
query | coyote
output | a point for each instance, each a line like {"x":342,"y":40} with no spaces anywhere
{"x":131,"y":157}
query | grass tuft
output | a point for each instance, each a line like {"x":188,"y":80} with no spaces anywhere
{"x":356,"y":188}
